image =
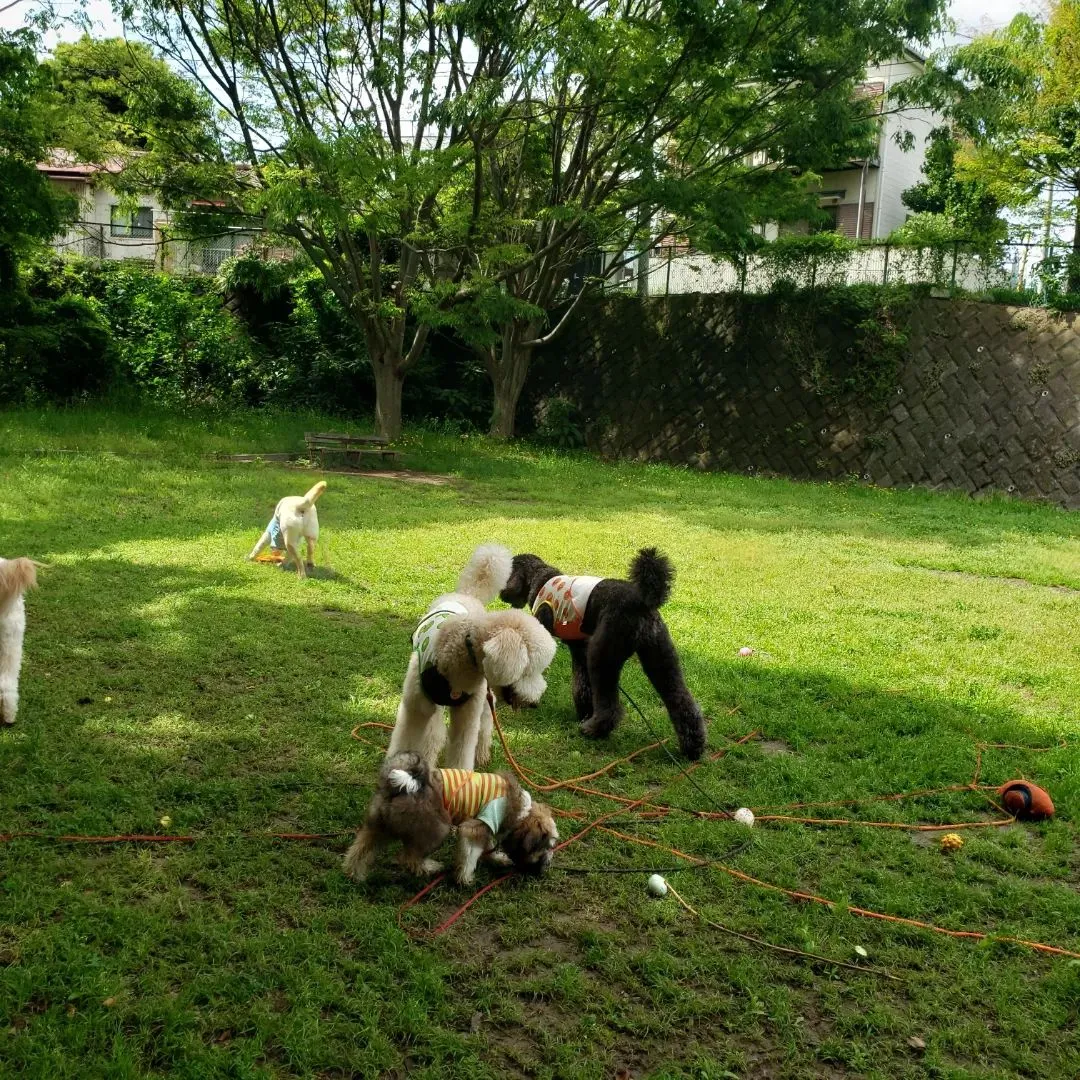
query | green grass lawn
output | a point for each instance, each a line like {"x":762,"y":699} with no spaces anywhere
{"x":165,"y":677}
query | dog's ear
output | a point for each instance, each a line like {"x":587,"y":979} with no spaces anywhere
{"x":540,"y":643}
{"x":516,"y":590}
{"x":505,"y":657}
{"x":16,"y":576}
{"x":545,"y":616}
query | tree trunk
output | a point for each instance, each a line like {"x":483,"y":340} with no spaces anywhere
{"x":389,"y":381}
{"x":508,"y":366}
{"x":1072,"y":277}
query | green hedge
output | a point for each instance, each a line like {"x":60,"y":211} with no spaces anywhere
{"x":260,"y":334}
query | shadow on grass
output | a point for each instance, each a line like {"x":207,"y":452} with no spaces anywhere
{"x":180,"y":690}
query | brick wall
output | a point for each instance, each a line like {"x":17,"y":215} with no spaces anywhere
{"x":987,"y":397}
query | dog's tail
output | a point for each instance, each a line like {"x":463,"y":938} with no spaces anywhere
{"x":309,"y":500}
{"x":406,"y":773}
{"x":653,"y":574}
{"x":16,"y":576}
{"x":486,"y":573}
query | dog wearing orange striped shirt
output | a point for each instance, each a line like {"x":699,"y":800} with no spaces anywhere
{"x":418,"y":805}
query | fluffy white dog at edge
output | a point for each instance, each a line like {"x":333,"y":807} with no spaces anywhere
{"x":16,"y":577}
{"x":460,"y":650}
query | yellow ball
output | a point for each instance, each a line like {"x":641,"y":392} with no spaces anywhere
{"x":952,"y":842}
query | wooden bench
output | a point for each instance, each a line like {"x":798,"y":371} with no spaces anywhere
{"x":350,"y":447}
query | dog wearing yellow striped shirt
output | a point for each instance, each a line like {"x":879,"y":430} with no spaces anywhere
{"x":418,"y":805}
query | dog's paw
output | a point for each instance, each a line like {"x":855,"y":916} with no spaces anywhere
{"x":499,"y":858}
{"x":430,"y":866}
{"x":596,"y":726}
{"x":483,"y":754}
{"x":464,"y":878}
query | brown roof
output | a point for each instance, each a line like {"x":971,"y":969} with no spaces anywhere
{"x":62,"y":164}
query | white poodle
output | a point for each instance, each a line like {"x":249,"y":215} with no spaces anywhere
{"x":16,"y":576}
{"x":459,"y":650}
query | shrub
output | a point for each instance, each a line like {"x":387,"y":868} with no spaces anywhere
{"x":558,"y":424}
{"x":260,"y":333}
{"x":55,"y":350}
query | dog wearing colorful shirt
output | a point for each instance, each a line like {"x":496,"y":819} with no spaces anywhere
{"x":604,"y":621}
{"x":459,"y":650}
{"x":295,"y":518}
{"x":417,"y":805}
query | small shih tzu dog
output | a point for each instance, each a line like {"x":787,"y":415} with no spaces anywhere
{"x":604,"y":621}
{"x":295,"y":517}
{"x":459,"y":651}
{"x":16,"y":577}
{"x":418,"y":805}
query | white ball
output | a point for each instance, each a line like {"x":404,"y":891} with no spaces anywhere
{"x":744,"y":816}
{"x":746,"y":651}
{"x":657,"y":885}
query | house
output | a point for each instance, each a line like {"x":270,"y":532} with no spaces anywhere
{"x":106,"y":229}
{"x":862,"y":198}
{"x":101,"y":229}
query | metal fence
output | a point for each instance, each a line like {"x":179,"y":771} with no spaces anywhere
{"x":163,"y":249}
{"x":1014,"y":265}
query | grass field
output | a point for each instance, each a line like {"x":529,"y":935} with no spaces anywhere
{"x":166,"y":678}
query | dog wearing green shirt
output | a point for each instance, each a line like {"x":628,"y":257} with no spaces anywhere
{"x":459,"y":651}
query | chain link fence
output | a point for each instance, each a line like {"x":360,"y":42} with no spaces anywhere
{"x":672,"y":270}
{"x":165,"y":250}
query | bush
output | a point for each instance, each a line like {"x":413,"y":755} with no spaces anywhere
{"x":559,"y":424}
{"x":54,"y":350}
{"x":259,"y":334}
{"x":170,"y":338}
{"x":177,"y":345}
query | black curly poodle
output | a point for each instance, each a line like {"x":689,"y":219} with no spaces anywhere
{"x":604,"y":621}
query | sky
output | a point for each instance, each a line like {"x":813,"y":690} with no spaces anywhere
{"x":972,"y":16}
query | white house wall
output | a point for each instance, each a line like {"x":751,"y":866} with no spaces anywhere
{"x":899,"y":169}
{"x":123,"y":247}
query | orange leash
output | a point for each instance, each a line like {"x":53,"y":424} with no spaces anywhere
{"x":865,"y":913}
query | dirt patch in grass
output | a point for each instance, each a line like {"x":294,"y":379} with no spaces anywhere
{"x":403,"y":476}
{"x":774,"y":747}
{"x":1016,"y":582}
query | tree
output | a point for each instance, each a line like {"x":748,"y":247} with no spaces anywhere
{"x":1015,"y":96}
{"x":351,"y":119}
{"x":129,"y":98}
{"x":966,"y":207}
{"x":641,"y":119}
{"x":449,"y":163}
{"x":31,"y":122}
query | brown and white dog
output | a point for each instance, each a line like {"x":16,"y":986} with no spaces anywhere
{"x":16,"y":577}
{"x":418,"y":805}
{"x":295,"y":518}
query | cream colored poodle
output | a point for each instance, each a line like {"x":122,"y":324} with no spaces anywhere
{"x":460,"y":650}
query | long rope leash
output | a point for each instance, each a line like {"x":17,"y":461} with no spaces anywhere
{"x":644,"y":807}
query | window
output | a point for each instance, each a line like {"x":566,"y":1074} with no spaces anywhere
{"x":139,"y":225}
{"x":827,"y":223}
